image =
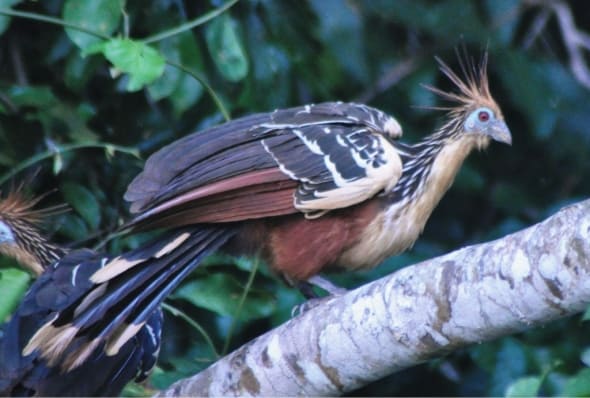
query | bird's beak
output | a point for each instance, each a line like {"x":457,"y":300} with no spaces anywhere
{"x":500,"y":132}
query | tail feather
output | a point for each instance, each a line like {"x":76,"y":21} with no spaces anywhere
{"x":114,"y":314}
{"x":99,"y":375}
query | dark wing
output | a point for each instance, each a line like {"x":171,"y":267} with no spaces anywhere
{"x":98,"y":317}
{"x":311,"y":159}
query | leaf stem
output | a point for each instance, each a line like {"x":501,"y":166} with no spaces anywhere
{"x":247,"y":289}
{"x":191,"y":24}
{"x":176,"y":312}
{"x":51,"y":20}
{"x":61,"y":149}
{"x":209,"y":89}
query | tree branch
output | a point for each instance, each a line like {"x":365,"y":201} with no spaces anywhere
{"x":421,"y":312}
{"x":575,"y":40}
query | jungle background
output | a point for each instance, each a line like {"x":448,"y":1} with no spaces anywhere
{"x":79,"y":114}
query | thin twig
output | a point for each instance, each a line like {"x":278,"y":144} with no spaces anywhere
{"x":536,"y":29}
{"x":55,"y":21}
{"x":203,"y":82}
{"x":574,"y":39}
{"x":61,"y":149}
{"x":191,"y":24}
{"x":247,"y":290}
{"x":177,"y":312}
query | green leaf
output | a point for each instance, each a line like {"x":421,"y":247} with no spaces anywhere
{"x":58,"y":164}
{"x":181,"y":88}
{"x":505,"y":359}
{"x":73,"y":227}
{"x":510,"y":364}
{"x":189,"y":90}
{"x":13,"y":284}
{"x":524,"y":387}
{"x":4,"y":19}
{"x":578,"y":385}
{"x":84,"y":202}
{"x":143,"y":63}
{"x":34,"y":96}
{"x":79,"y":70}
{"x":226,"y":48}
{"x":166,"y":84}
{"x":101,"y":16}
{"x":221,"y":294}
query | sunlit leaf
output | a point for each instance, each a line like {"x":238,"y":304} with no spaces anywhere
{"x":524,"y":387}
{"x":143,"y":63}
{"x":13,"y":284}
{"x":578,"y":385}
{"x":58,"y":163}
{"x":101,"y":16}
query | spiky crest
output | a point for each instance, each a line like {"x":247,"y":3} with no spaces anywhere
{"x":472,"y":90}
{"x":16,"y":206}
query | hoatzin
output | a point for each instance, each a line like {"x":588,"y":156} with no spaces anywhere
{"x":99,"y":374}
{"x":305,"y":188}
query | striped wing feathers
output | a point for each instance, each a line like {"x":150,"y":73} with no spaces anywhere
{"x":338,"y":154}
{"x":340,"y":160}
{"x":327,"y":113}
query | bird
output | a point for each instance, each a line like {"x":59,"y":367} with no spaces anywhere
{"x":21,"y":238}
{"x":306,"y":189}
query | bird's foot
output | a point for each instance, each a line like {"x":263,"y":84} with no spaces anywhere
{"x":313,"y":300}
{"x":326,"y":285}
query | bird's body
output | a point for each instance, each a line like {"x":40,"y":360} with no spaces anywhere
{"x":305,"y":188}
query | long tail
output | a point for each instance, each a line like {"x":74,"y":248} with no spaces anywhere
{"x":99,"y":375}
{"x":101,"y":308}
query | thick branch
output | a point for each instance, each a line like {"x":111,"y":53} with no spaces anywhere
{"x":471,"y":295}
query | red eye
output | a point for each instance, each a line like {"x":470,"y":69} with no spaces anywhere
{"x":483,"y":116}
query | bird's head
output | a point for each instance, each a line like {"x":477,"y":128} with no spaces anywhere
{"x":20,"y":236}
{"x":474,"y":113}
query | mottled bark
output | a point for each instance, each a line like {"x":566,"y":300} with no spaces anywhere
{"x":423,"y":311}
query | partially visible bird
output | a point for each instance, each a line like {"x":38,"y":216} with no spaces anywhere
{"x":306,"y":188}
{"x":98,"y":374}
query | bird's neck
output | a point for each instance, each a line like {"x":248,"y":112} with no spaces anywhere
{"x":34,"y":252}
{"x":430,"y":166}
